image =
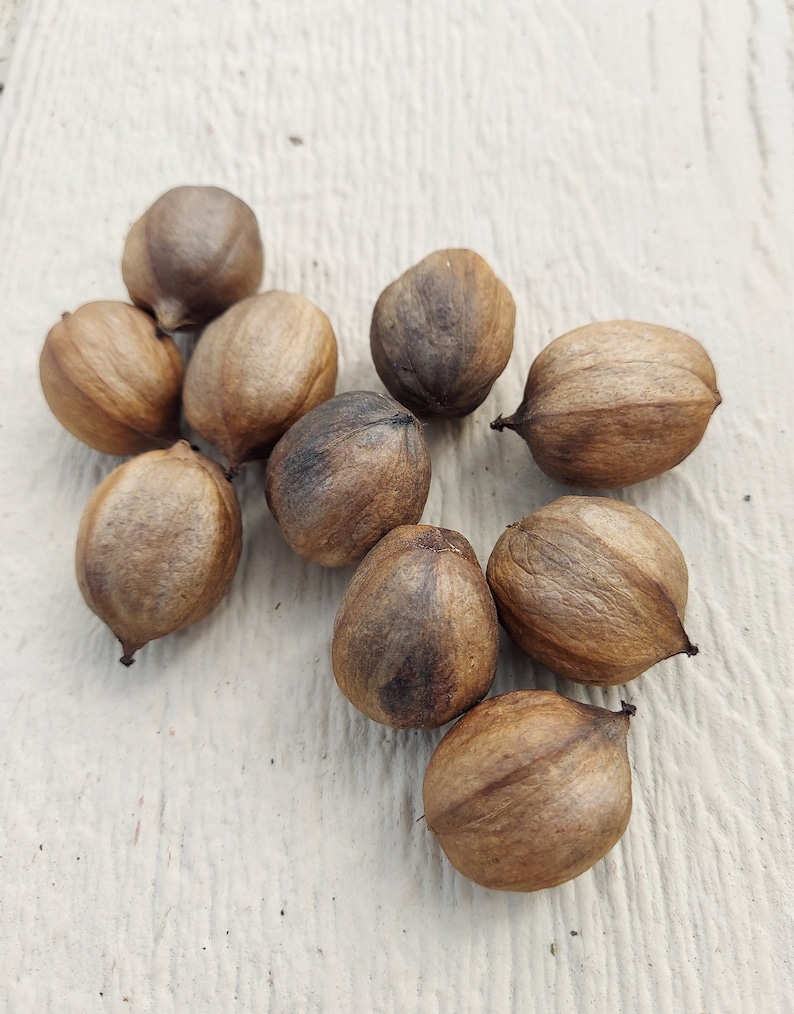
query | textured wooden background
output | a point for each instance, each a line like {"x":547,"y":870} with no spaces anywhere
{"x":217,"y":829}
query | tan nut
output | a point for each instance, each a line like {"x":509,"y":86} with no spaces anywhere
{"x":611,"y":404}
{"x":264,"y":363}
{"x":158,"y":545}
{"x":529,"y":789}
{"x":110,"y":380}
{"x":593,"y":588}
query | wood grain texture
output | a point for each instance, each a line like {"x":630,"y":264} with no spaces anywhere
{"x":217,"y":829}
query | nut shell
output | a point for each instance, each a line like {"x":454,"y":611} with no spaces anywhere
{"x":592,"y":588}
{"x":346,"y":474}
{"x":528,"y":790}
{"x":158,"y":544}
{"x":416,"y":637}
{"x":110,"y":380}
{"x":195,"y":251}
{"x":615,"y":403}
{"x":264,"y":363}
{"x":442,"y":333}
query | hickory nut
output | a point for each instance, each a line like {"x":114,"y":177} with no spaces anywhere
{"x":611,"y":404}
{"x":592,"y":588}
{"x":195,"y":251}
{"x":442,"y":333}
{"x":416,"y":637}
{"x":257,"y":369}
{"x":345,"y":474}
{"x":110,"y":380}
{"x":158,"y":544}
{"x":529,"y":789}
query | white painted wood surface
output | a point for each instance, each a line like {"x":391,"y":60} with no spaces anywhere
{"x":216,"y":829}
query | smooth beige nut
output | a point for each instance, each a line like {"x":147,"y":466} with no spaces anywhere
{"x":195,"y":252}
{"x":611,"y":404}
{"x":442,"y":333}
{"x":416,"y":638}
{"x":346,"y":474}
{"x":530,"y":789}
{"x":110,"y":380}
{"x":158,"y":544}
{"x":264,"y":363}
{"x":593,"y":588}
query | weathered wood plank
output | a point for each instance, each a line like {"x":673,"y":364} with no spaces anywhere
{"x":216,"y":829}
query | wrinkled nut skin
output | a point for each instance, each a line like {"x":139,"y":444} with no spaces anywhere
{"x":615,"y":403}
{"x":416,"y":637}
{"x":442,"y":333}
{"x":529,"y":789}
{"x":346,"y":474}
{"x":195,"y":251}
{"x":158,"y":544}
{"x":110,"y":380}
{"x":259,"y":367}
{"x":592,"y":588}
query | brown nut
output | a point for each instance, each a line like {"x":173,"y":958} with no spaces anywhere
{"x":442,"y":333}
{"x":611,"y":404}
{"x":347,"y":473}
{"x":593,"y":588}
{"x":264,"y":363}
{"x":110,"y":380}
{"x":158,"y":545}
{"x":529,"y":789}
{"x":416,"y":637}
{"x":195,"y":251}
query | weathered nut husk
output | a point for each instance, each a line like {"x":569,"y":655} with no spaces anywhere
{"x":158,"y":544}
{"x":347,"y":473}
{"x":442,"y":333}
{"x":615,"y":403}
{"x":264,"y":363}
{"x":592,"y":588}
{"x":528,"y":790}
{"x":416,"y":637}
{"x":195,"y":251}
{"x":110,"y":380}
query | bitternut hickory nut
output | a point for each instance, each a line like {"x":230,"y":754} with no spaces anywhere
{"x":416,"y":638}
{"x":611,"y":404}
{"x":529,"y":789}
{"x":158,"y":544}
{"x":442,"y":333}
{"x":194,"y":252}
{"x":592,"y":588}
{"x":259,"y":367}
{"x":347,"y":473}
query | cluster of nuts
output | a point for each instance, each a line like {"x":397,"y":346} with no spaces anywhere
{"x":528,"y":789}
